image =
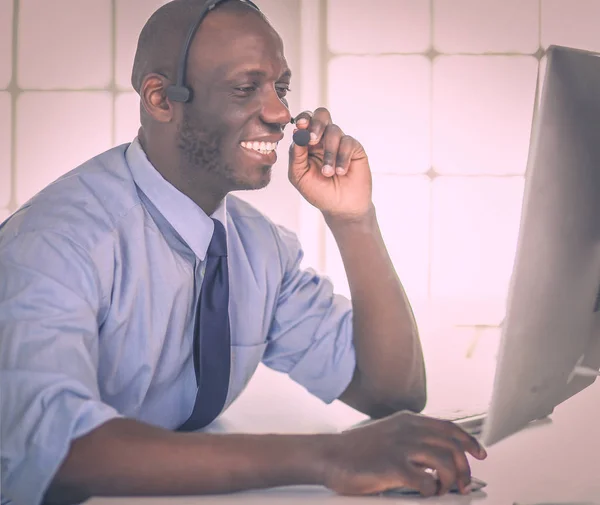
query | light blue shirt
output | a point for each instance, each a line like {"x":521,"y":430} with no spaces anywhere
{"x":99,"y":277}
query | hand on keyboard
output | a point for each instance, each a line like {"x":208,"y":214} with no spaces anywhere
{"x":396,"y":451}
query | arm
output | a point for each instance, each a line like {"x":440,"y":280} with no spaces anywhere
{"x":125,"y":457}
{"x":330,"y":345}
{"x":333,"y":174}
{"x":390,"y":372}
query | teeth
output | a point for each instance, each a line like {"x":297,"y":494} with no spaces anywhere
{"x":261,"y":147}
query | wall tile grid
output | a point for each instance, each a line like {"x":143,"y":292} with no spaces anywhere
{"x":441,"y":95}
{"x":64,"y":96}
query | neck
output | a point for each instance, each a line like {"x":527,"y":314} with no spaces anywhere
{"x":202,"y":189}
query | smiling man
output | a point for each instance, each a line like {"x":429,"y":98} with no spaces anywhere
{"x":138,"y":297}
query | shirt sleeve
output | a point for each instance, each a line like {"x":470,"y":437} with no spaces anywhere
{"x":49,"y":299}
{"x":310,"y":336}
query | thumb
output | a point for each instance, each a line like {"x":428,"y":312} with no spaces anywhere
{"x":298,"y":164}
{"x":420,"y":480}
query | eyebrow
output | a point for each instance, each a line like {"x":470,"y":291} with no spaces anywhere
{"x":261,"y":74}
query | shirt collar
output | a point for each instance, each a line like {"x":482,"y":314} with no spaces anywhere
{"x":188,"y":220}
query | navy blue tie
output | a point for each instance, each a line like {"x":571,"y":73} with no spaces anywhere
{"x":211,"y":347}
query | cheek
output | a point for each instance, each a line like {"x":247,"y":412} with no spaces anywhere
{"x":235,"y":120}
{"x":240,"y":122}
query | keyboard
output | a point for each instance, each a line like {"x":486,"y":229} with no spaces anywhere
{"x":476,"y":485}
{"x":469,"y":419}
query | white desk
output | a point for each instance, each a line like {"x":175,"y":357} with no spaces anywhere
{"x":552,"y":462}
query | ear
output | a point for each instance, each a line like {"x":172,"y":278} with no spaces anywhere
{"x":153,"y":94}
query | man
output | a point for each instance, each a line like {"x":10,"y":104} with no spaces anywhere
{"x":107,"y":320}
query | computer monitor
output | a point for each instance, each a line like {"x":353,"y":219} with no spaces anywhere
{"x":550,"y":342}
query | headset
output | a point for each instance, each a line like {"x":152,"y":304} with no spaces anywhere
{"x":179,"y":92}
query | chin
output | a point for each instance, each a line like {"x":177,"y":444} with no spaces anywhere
{"x":258,"y":180}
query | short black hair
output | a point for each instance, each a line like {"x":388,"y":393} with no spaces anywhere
{"x":162,"y":37}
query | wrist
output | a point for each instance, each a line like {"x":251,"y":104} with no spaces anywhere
{"x":301,"y":459}
{"x":364,"y":220}
{"x":329,"y":455}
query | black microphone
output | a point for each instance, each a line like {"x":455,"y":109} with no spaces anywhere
{"x":301,"y":138}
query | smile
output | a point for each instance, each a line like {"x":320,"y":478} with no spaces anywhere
{"x":261,"y":147}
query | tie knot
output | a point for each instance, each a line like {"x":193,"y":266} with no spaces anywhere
{"x":218,"y":242}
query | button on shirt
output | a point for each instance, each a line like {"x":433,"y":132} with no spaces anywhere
{"x":100,"y":273}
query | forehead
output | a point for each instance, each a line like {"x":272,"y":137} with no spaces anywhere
{"x":233,"y":42}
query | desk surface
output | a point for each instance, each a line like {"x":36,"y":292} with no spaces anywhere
{"x":552,"y":462}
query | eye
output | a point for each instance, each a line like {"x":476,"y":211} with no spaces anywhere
{"x":283,"y":89}
{"x":246,"y":89}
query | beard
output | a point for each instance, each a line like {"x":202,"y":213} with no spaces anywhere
{"x":201,"y":144}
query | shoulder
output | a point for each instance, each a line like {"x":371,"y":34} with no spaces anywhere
{"x":262,"y":231}
{"x":83,"y":206}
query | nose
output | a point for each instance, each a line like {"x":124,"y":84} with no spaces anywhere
{"x":275,"y":109}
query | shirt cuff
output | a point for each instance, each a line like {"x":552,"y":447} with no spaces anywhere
{"x":326,"y":380}
{"x":31,"y":479}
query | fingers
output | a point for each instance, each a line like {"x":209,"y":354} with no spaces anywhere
{"x":298,"y":153}
{"x":315,"y":123}
{"x":418,"y":479}
{"x":409,"y":450}
{"x":467,"y":442}
{"x":441,"y":461}
{"x":444,"y":448}
{"x":461,"y":463}
{"x":298,"y":157}
{"x":446,"y":445}
{"x":457,"y":458}
{"x":331,"y":139}
{"x":338,"y":149}
{"x":347,"y":147}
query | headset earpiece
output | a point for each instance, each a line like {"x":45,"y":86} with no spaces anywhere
{"x":179,"y":92}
